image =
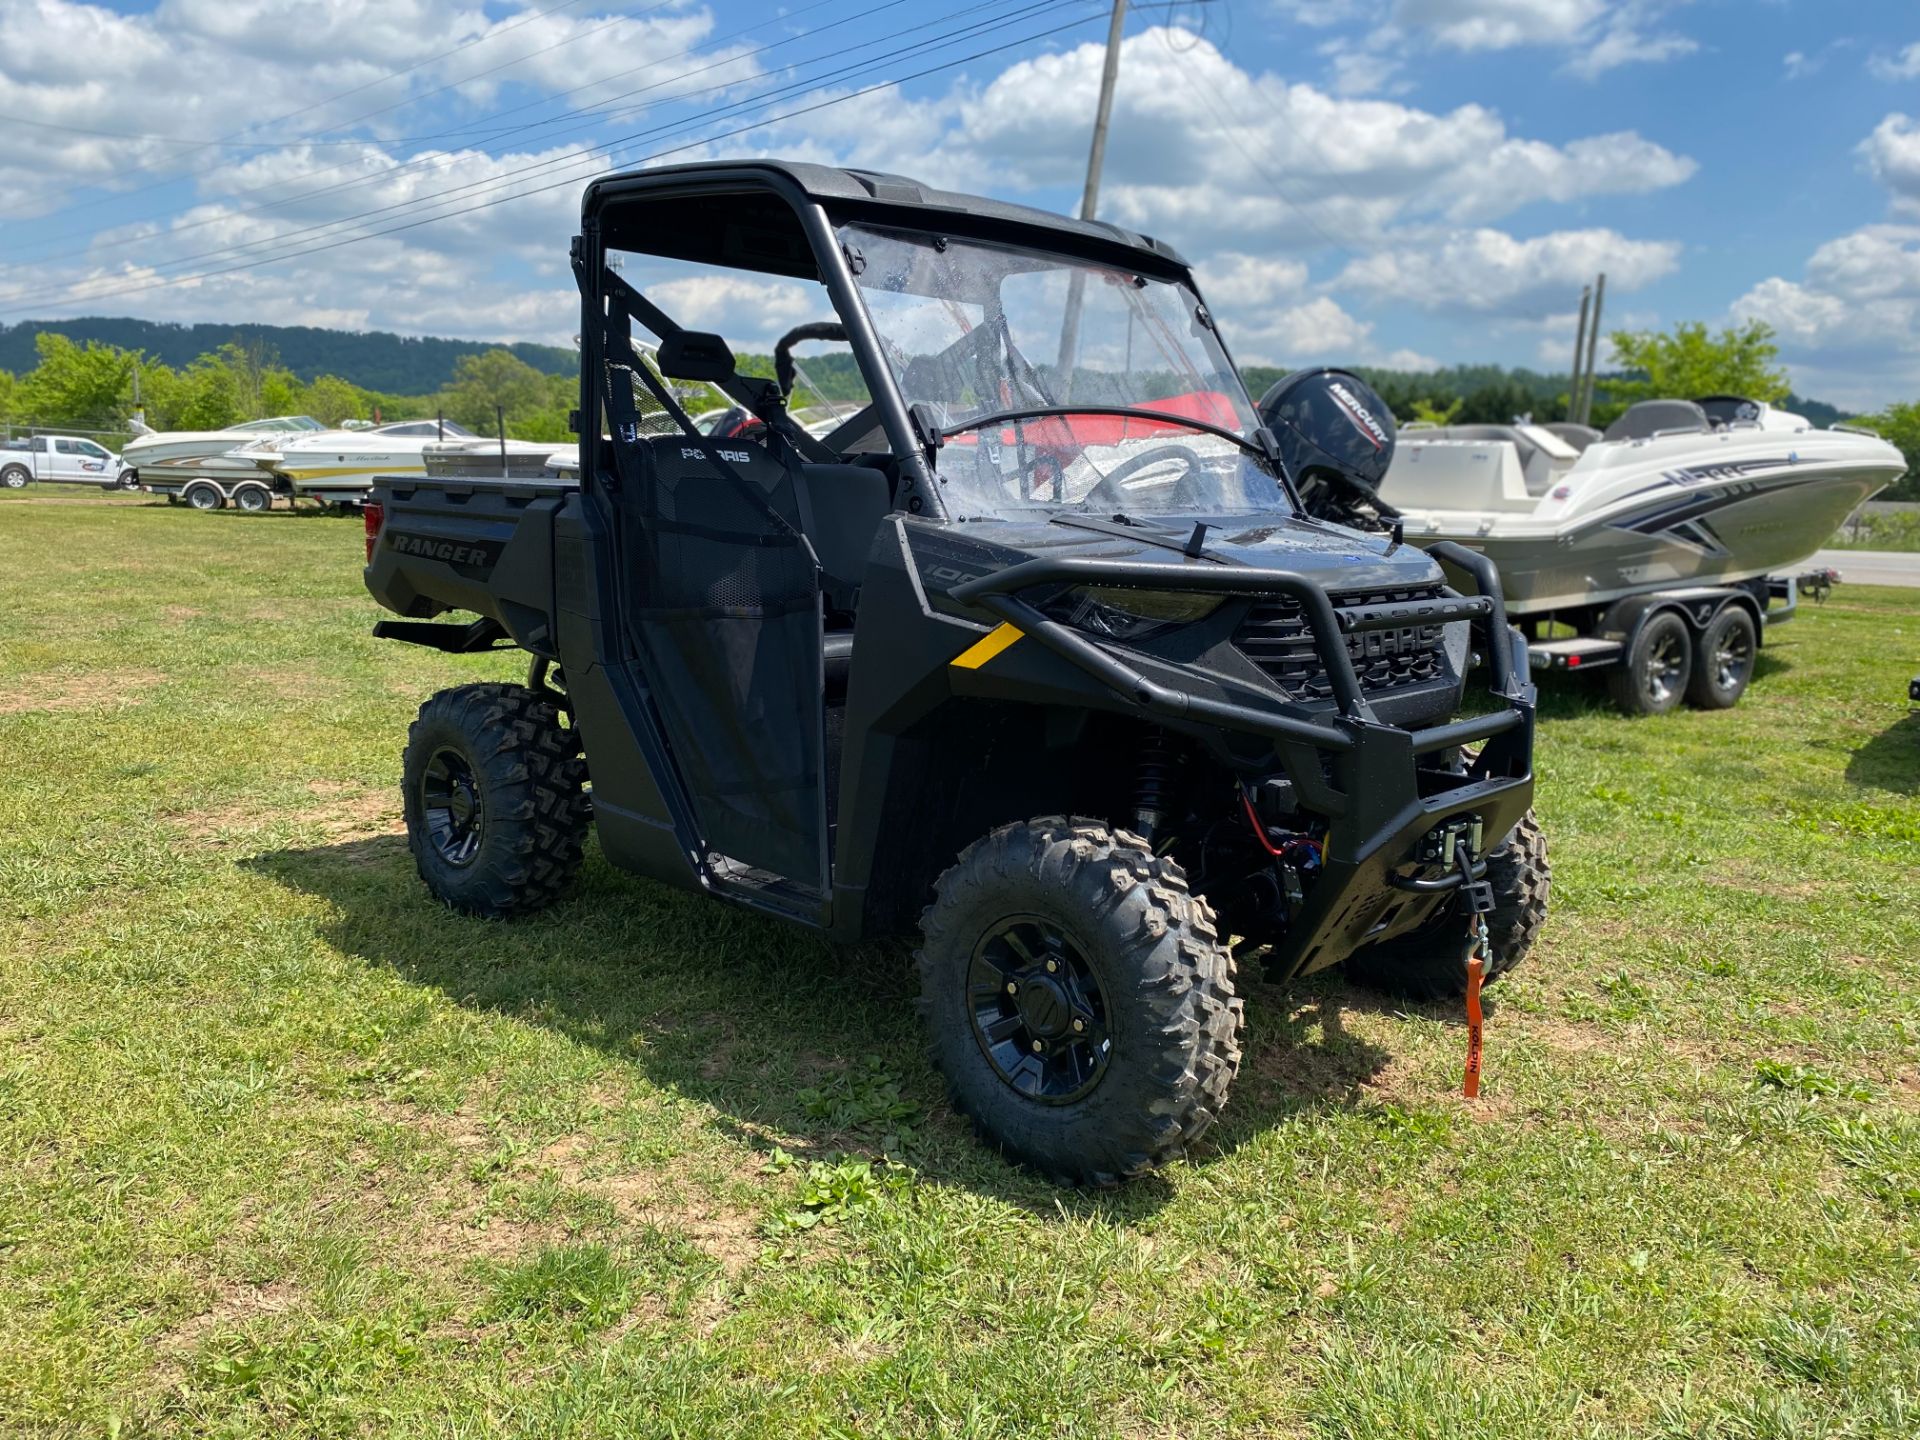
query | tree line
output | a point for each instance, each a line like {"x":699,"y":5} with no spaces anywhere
{"x":91,"y":385}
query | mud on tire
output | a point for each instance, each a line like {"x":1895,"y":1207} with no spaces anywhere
{"x":1429,"y":965}
{"x":1143,"y":944}
{"x":493,"y":789}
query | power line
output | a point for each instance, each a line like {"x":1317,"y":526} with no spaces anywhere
{"x":429,"y":162}
{"x":585,"y":157}
{"x":572,"y":180}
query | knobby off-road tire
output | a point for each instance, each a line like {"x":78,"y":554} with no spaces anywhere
{"x":493,"y":790}
{"x":1144,"y":965}
{"x":1430,"y":964}
{"x":1654,"y":676}
{"x":1724,"y":660}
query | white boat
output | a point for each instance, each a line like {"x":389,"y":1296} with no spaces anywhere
{"x":171,"y":447}
{"x":1675,"y":493}
{"x":341,"y":465}
{"x":511,"y":459}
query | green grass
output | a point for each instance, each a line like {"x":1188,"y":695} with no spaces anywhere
{"x":1900,"y":531}
{"x":285,"y":1149}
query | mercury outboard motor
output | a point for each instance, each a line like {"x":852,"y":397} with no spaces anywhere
{"x":1336,"y":438}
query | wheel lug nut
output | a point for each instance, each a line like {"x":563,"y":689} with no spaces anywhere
{"x":1012,"y":989}
{"x":1079,"y":1026}
{"x":1038,"y":1046}
{"x":1052,"y":965}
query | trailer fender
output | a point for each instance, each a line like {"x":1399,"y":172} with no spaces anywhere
{"x":1626,"y":618}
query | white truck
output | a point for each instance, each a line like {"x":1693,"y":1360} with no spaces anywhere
{"x":70,"y":459}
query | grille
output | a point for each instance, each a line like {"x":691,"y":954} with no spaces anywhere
{"x":1275,"y":637}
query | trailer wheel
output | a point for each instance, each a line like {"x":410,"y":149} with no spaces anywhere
{"x":1429,"y":963}
{"x":15,"y":477}
{"x":254,"y":499}
{"x":493,"y":788}
{"x":1723,"y":660}
{"x":1653,"y":677}
{"x":204,"y":497}
{"x":1078,"y":999}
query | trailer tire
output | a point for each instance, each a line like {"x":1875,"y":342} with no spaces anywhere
{"x":1723,"y":660}
{"x":15,"y":477}
{"x":254,"y":499}
{"x":1653,"y":677}
{"x":1429,"y":965}
{"x":494,"y":791}
{"x":203,"y":497}
{"x":1119,"y":976}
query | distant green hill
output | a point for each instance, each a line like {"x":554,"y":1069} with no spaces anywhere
{"x":373,"y":359}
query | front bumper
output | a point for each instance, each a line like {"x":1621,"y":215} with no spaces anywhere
{"x":1365,"y":777}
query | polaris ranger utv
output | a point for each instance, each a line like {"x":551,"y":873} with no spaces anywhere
{"x":1035,"y":653}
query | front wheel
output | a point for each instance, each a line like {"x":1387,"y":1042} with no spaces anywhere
{"x":1723,"y":663}
{"x":1078,"y":1000}
{"x":15,"y":477}
{"x":493,"y":787}
{"x":204,"y":497}
{"x":254,"y":499}
{"x":1429,"y":964}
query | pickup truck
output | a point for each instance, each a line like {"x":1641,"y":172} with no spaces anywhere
{"x":66,"y":458}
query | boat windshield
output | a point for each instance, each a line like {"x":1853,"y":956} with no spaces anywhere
{"x":279,"y":424}
{"x":1134,"y":387}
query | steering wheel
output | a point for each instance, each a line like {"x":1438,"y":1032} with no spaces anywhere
{"x":1108,"y":491}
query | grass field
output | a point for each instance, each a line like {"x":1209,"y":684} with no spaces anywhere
{"x":284,"y":1149}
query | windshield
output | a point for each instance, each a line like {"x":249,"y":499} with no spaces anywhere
{"x":974,"y":330}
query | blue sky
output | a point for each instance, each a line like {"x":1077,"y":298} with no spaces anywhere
{"x":1387,"y":181}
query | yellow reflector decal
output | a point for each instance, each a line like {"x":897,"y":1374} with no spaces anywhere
{"x":988,"y":646}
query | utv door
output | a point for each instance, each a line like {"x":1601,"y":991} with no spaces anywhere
{"x":722,"y":602}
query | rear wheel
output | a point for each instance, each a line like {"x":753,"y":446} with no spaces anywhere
{"x":1654,"y":677}
{"x":254,"y":499}
{"x":1078,"y":1000}
{"x":1723,"y":662}
{"x":15,"y":477}
{"x":495,"y":800}
{"x":1430,"y":964}
{"x":204,"y":497}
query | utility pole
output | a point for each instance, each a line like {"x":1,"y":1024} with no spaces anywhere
{"x":1593,"y":344}
{"x":1090,"y":197}
{"x":1579,"y":350}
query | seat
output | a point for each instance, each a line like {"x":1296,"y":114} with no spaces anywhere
{"x":842,"y":507}
{"x":1576,"y":435}
{"x":1654,"y":417}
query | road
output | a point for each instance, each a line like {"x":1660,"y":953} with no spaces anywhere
{"x":1872,"y":567}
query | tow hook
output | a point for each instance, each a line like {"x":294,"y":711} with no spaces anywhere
{"x":1478,"y":895}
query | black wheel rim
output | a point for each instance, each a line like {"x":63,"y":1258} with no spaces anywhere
{"x":1732,"y":657}
{"x":1666,"y":666}
{"x":452,"y":807}
{"x":1038,"y":1011}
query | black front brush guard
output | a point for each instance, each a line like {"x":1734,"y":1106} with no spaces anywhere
{"x":1377,"y":801}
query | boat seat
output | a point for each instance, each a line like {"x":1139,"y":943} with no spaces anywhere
{"x":1536,"y":465}
{"x":1578,"y":436}
{"x":841,"y":508}
{"x":1652,"y":417}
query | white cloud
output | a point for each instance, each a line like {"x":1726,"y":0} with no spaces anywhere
{"x":1488,"y":271}
{"x":1898,"y":65}
{"x":1499,"y":24}
{"x":1892,"y":155}
{"x":1628,"y":39}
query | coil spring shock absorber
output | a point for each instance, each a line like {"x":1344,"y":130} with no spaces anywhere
{"x":1156,"y":774}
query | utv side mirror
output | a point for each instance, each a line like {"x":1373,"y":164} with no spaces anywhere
{"x":696,"y":355}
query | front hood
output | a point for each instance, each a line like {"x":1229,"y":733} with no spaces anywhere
{"x":1340,"y":559}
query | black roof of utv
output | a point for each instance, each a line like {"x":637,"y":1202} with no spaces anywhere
{"x":740,"y":213}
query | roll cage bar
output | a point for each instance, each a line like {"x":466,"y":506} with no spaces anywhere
{"x":693,"y":204}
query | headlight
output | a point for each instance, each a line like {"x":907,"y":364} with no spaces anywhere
{"x":1121,"y":614}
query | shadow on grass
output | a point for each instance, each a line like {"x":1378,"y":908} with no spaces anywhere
{"x":744,"y":1013}
{"x":1891,"y":760}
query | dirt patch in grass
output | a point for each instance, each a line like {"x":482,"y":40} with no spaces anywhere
{"x":97,"y":690}
{"x":235,"y":1303}
{"x":349,"y":813}
{"x":654,"y":1197}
